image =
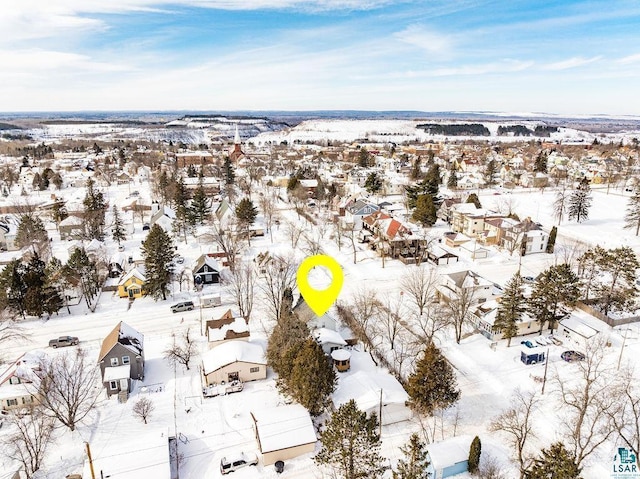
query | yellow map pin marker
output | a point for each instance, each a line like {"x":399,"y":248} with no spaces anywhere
{"x":320,"y":300}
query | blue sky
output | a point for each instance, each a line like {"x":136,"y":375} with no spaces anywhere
{"x":564,"y":57}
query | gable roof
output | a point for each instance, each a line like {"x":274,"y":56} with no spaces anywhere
{"x":133,"y":272}
{"x":232,"y":352}
{"x":125,"y":335}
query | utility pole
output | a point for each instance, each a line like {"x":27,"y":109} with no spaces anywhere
{"x":624,"y":340}
{"x":546,"y":365}
{"x":93,"y":474}
{"x":380,"y":414}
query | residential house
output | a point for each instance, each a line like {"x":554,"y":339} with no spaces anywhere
{"x":283,"y":432}
{"x":466,"y":218}
{"x":464,"y":283}
{"x":374,"y":391}
{"x":526,"y":237}
{"x":439,"y":256}
{"x":328,"y":339}
{"x":234,"y":361}
{"x":483,"y":316}
{"x":8,"y":232}
{"x":163,"y":216}
{"x":131,"y":285}
{"x":121,"y":359}
{"x":444,"y":212}
{"x":230,"y":326}
{"x":449,"y":457}
{"x":19,"y":380}
{"x":305,"y":314}
{"x":206,"y":270}
{"x":355,"y":211}
{"x":71,"y":227}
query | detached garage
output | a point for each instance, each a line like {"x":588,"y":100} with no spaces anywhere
{"x":283,"y":432}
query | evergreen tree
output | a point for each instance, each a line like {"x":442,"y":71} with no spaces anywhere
{"x":489,"y":172}
{"x":118,"y":226}
{"x":415,"y":462}
{"x":312,"y":378}
{"x":632,"y":218}
{"x":351,"y":444}
{"x":618,"y":292}
{"x":200,"y":208}
{"x":34,"y":279}
{"x":285,"y":341}
{"x":473,"y":198}
{"x":512,"y":307}
{"x":180,"y":203}
{"x":246,"y":214}
{"x":94,"y":212}
{"x":80,"y":268}
{"x":59,"y":212}
{"x":158,"y":252}
{"x":364,"y":158}
{"x":31,"y":232}
{"x":36,"y":183}
{"x":416,"y":171}
{"x":433,"y":384}
{"x":580,"y":202}
{"x":556,"y":463}
{"x":430,"y":185}
{"x":556,"y":287}
{"x":540,"y":165}
{"x":452,"y":181}
{"x":425,"y":211}
{"x":229,"y":172}
{"x":191,"y":171}
{"x":551,"y":242}
{"x":474,"y":455}
{"x":12,"y":287}
{"x":373,"y":183}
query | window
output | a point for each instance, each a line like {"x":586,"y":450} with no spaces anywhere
{"x":125,"y":360}
{"x":12,"y":402}
{"x":254,"y":370}
{"x":113,"y":385}
{"x":114,"y":361}
{"x":14,"y":380}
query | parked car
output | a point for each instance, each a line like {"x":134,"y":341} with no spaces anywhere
{"x":223,"y":389}
{"x":528,"y":344}
{"x":63,"y":341}
{"x":233,"y":463}
{"x":184,"y":306}
{"x":179,"y":259}
{"x":554,"y":340}
{"x":120,"y":247}
{"x":145,"y":227}
{"x":570,"y":356}
{"x":528,"y":279}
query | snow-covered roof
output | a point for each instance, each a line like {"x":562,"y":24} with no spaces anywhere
{"x":124,"y":459}
{"x":114,"y":373}
{"x":232,"y":352}
{"x":365,"y":386}
{"x":133,"y":272}
{"x":239,"y":325}
{"x":340,"y":354}
{"x":449,"y":452}
{"x":574,"y":324}
{"x":328,"y":336}
{"x":283,"y":427}
{"x":124,"y":334}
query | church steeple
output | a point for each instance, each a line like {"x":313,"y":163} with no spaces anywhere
{"x":237,"y":152}
{"x":236,"y":140}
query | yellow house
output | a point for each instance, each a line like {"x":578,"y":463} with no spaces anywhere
{"x":130,"y":286}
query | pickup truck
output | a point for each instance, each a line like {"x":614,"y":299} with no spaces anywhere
{"x":223,"y":389}
{"x":63,"y":341}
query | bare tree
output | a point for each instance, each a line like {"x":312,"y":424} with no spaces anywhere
{"x":587,"y":401}
{"x":626,"y":417}
{"x":506,"y":205}
{"x":312,"y":243}
{"x":388,"y":324}
{"x":143,"y":408}
{"x":561,"y":204}
{"x":279,"y":276}
{"x":406,"y":349}
{"x":268,"y":207}
{"x":241,"y":283}
{"x":67,"y":387}
{"x":419,"y":284}
{"x":294,"y":232}
{"x":364,"y":307}
{"x":490,"y":468}
{"x":10,"y":331}
{"x":31,"y":437}
{"x":457,"y":308}
{"x":181,"y":351}
{"x":517,"y":421}
{"x":229,"y":240}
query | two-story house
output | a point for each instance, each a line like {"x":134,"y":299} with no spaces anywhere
{"x":121,"y":359}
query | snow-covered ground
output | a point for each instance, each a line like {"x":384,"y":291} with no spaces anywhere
{"x":207,"y":429}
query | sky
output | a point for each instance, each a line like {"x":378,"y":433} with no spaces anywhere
{"x":516,"y":56}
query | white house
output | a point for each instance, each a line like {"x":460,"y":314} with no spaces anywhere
{"x":374,"y":391}
{"x":233,"y":361}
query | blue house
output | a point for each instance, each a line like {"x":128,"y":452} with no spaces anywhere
{"x":449,"y":457}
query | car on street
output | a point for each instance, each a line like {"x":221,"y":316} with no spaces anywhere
{"x":235,"y":462}
{"x":63,"y":341}
{"x":183,"y":306}
{"x":570,"y":356}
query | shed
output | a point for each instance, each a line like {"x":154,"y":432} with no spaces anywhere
{"x":449,"y":457}
{"x":573,"y":327}
{"x":283,"y":432}
{"x":341,"y":360}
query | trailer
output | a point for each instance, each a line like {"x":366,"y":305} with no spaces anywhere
{"x":209,"y":301}
{"x":532,"y":356}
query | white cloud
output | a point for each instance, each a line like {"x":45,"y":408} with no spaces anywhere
{"x":573,"y":62}
{"x":429,"y":41}
{"x":629,"y":59}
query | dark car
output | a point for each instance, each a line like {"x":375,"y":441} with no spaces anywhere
{"x":528,"y":344}
{"x":570,"y":356}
